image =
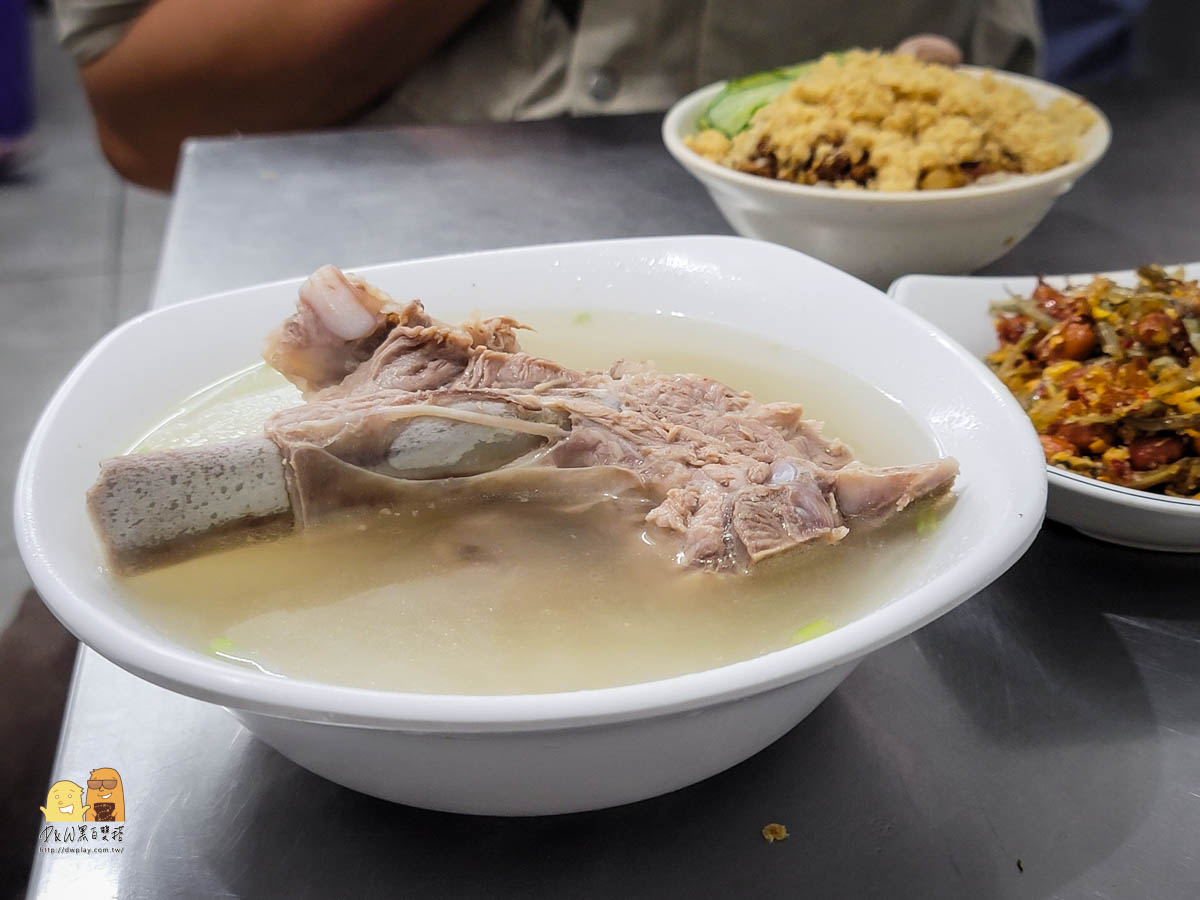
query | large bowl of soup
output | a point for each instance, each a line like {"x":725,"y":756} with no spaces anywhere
{"x":579,"y":672}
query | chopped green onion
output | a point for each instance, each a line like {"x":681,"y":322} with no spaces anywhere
{"x":220,"y":645}
{"x":812,"y":630}
{"x":928,"y":520}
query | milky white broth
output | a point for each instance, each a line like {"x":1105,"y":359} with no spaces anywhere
{"x":514,"y":598}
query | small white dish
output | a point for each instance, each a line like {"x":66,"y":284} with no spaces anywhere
{"x":876,"y":235}
{"x":539,"y":753}
{"x":959,"y":306}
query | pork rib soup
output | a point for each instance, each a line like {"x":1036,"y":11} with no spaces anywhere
{"x":438,"y":509}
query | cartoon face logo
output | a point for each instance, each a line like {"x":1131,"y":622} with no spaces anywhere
{"x":64,"y":802}
{"x":105,"y":796}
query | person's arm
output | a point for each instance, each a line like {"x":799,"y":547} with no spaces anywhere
{"x":196,"y":67}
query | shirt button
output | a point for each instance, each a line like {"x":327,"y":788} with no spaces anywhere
{"x":603,"y":84}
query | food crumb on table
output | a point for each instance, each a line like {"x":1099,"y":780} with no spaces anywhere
{"x":775,"y":832}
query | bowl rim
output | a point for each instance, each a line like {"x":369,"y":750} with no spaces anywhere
{"x":165,"y":663}
{"x":1121,"y":495}
{"x":680,"y":120}
{"x":1075,"y":482}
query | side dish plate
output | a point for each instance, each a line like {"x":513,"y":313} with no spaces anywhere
{"x":959,"y":306}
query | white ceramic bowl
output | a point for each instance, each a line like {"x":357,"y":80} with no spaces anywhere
{"x":959,"y":306}
{"x":548,"y":753}
{"x":876,"y":235}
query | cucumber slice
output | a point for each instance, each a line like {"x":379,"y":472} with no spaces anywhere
{"x":731,"y":110}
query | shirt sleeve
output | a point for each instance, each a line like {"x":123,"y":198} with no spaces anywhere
{"x":1006,"y":35}
{"x":88,"y":29}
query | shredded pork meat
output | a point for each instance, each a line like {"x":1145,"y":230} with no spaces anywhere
{"x":735,"y":479}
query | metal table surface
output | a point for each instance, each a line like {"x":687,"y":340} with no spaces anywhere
{"x":1039,"y":741}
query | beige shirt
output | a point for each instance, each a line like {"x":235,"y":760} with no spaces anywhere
{"x":521,"y":59}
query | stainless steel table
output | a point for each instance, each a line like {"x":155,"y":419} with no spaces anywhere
{"x":1040,"y":741}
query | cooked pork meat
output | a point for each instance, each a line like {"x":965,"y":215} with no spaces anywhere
{"x":338,"y":323}
{"x":346,"y":334}
{"x":403,"y":409}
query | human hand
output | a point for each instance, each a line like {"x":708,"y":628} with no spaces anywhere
{"x":931,"y":48}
